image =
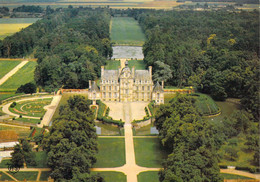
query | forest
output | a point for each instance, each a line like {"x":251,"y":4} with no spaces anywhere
{"x":70,"y":45}
{"x":217,"y":52}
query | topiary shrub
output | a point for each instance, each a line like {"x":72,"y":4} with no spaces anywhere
{"x":13,"y":105}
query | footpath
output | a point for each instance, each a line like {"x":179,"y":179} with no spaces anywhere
{"x":12,"y":72}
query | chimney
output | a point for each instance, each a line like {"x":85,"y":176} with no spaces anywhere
{"x":150,"y":71}
{"x":89,"y":84}
{"x":133,"y":71}
{"x":102,"y":70}
{"x":162,"y":84}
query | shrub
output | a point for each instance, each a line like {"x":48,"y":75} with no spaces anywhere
{"x":20,"y":116}
{"x":223,"y":166}
{"x":150,"y":106}
{"x":147,"y":112}
{"x":13,"y":105}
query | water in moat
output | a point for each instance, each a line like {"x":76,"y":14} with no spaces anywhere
{"x":128,"y":52}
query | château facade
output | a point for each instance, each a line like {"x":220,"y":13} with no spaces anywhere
{"x":126,"y":85}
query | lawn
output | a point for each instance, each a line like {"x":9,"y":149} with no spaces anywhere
{"x":41,"y":160}
{"x":111,"y":176}
{"x":21,"y":176}
{"x":5,"y":95}
{"x":6,"y":66}
{"x":22,"y":76}
{"x":11,"y":25}
{"x":139,"y":64}
{"x":32,"y":107}
{"x":233,"y":176}
{"x":45,"y":175}
{"x":4,"y":163}
{"x":111,"y":152}
{"x":151,"y":176}
{"x":205,"y":104}
{"x":168,"y":97}
{"x":28,"y":120}
{"x":4,"y":177}
{"x":63,"y":101}
{"x":12,"y":133}
{"x":149,"y":152}
{"x":245,"y":157}
{"x":112,"y":65}
{"x":126,"y":31}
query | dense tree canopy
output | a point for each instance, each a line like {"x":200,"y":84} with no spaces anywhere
{"x":72,"y":142}
{"x":191,"y":141}
{"x":70,"y":44}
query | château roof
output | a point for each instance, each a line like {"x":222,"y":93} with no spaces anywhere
{"x":110,"y":75}
{"x":142,"y":75}
{"x":157,"y":87}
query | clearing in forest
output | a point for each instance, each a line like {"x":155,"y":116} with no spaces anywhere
{"x":6,"y":66}
{"x":21,"y":77}
{"x":126,"y":31}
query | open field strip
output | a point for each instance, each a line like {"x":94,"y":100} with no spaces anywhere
{"x":23,"y":76}
{"x":126,"y":30}
{"x":6,"y":66}
{"x":12,"y":72}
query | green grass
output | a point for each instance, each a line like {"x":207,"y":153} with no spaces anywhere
{"x":6,"y":66}
{"x":111,"y":176}
{"x":65,"y":97}
{"x":139,"y":64}
{"x":233,"y":176}
{"x":205,"y":104}
{"x":111,"y":152}
{"x":27,"y":120}
{"x":45,"y":175}
{"x":25,"y":175}
{"x":4,"y":177}
{"x":149,"y":152}
{"x":112,"y":65}
{"x":32,"y":107}
{"x":151,"y":176}
{"x":5,"y":95}
{"x":126,"y":31}
{"x":245,"y":157}
{"x":168,"y":97}
{"x":21,"y":132}
{"x":23,"y":76}
{"x":4,"y":163}
{"x":41,"y":160}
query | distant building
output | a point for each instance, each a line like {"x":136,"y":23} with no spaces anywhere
{"x":126,"y":85}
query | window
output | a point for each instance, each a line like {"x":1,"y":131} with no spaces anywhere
{"x":109,"y":88}
{"x":104,"y":88}
{"x":127,"y":91}
{"x":158,"y":96}
{"x":115,"y":95}
{"x":143,"y":88}
{"x":109,"y":94}
{"x":104,"y":94}
{"x":136,"y":87}
{"x":149,"y":88}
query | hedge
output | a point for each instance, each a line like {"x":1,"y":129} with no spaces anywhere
{"x":106,"y":119}
{"x":150,"y":106}
{"x":250,"y":169}
{"x":141,"y":120}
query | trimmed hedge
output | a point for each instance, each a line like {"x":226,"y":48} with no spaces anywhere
{"x":250,"y":169}
{"x":141,"y":120}
{"x":106,"y":118}
{"x":150,"y":106}
{"x":223,"y":166}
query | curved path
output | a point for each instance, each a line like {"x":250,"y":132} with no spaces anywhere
{"x":47,"y":116}
{"x":12,"y":72}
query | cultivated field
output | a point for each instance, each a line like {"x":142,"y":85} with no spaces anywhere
{"x":6,"y":66}
{"x":10,"y":26}
{"x":126,"y":31}
{"x":23,"y":76}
